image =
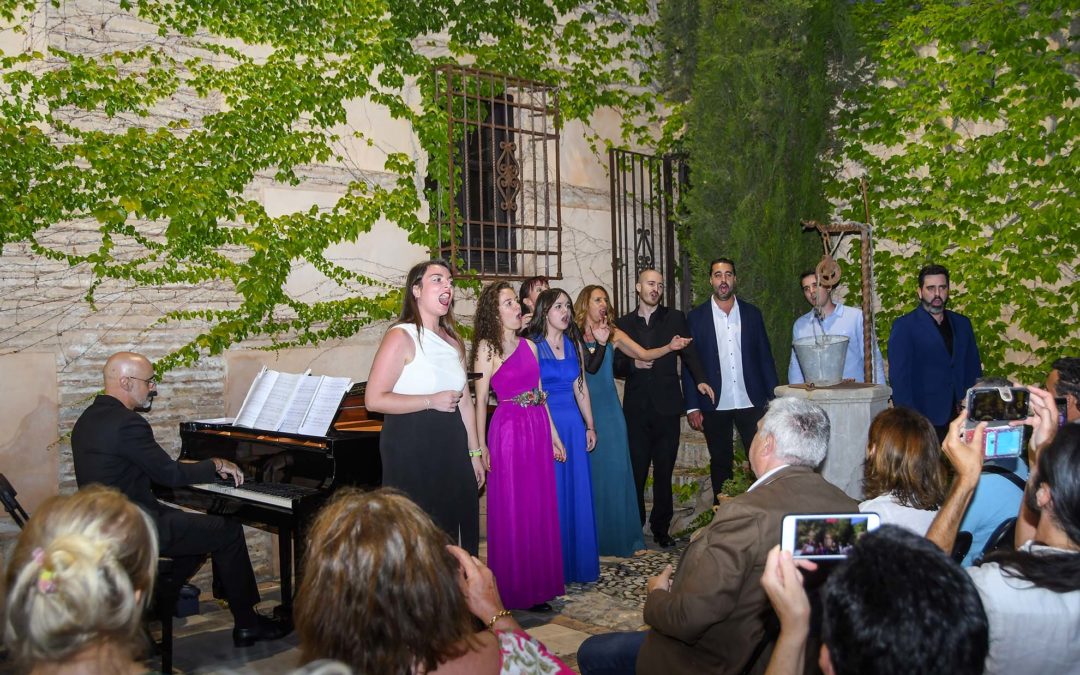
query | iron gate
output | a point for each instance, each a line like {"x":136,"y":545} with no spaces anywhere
{"x":645,"y":194}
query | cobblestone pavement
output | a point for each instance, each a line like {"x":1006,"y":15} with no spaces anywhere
{"x":614,"y":602}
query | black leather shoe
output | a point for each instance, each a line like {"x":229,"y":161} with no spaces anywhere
{"x":664,"y":540}
{"x":267,"y":629}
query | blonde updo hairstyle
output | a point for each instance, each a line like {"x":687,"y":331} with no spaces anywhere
{"x":81,"y":574}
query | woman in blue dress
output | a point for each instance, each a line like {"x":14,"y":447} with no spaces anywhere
{"x":562,"y":375}
{"x":614,"y":498}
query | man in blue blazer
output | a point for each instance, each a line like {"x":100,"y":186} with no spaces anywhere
{"x":734,"y":349}
{"x":933,"y":358}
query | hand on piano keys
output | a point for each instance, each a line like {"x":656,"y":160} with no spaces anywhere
{"x":227,"y":469}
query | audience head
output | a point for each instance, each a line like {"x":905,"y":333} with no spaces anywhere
{"x":380,"y":590}
{"x":722,"y":278}
{"x":129,"y":378}
{"x":934,"y":288}
{"x":900,"y":605}
{"x":1057,"y":483}
{"x":649,"y":287}
{"x":593,"y":305}
{"x":497,"y":309}
{"x":79,"y":578}
{"x":903,"y":457}
{"x":429,"y":291}
{"x":793,"y":431}
{"x":530,"y":289}
{"x":1064,"y":382}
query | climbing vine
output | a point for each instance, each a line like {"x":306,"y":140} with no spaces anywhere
{"x":85,"y":139}
{"x":964,"y":122}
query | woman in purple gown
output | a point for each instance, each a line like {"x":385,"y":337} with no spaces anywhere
{"x":524,"y":548}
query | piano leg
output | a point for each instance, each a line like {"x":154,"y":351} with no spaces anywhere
{"x":285,"y":560}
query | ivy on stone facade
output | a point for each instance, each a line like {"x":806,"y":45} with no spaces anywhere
{"x":160,"y":198}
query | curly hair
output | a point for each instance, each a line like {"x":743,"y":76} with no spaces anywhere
{"x":581,"y":306}
{"x":380,"y":590}
{"x":906,"y":460}
{"x":487,"y":326}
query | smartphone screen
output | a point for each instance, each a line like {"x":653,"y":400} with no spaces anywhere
{"x":987,"y":405}
{"x":825,"y":537}
{"x":1003,"y":442}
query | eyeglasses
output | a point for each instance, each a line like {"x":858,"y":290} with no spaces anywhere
{"x":152,"y":382}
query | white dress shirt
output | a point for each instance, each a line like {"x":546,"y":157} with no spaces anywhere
{"x":846,"y":321}
{"x":728,"y":327}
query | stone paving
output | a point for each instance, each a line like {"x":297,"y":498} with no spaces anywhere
{"x":204,"y":642}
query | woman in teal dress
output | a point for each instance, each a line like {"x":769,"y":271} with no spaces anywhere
{"x":614,"y":499}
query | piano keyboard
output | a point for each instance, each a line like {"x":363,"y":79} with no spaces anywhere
{"x":274,"y":494}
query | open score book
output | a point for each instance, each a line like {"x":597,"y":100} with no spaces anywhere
{"x":292,"y":403}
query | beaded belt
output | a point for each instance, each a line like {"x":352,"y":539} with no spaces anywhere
{"x":528,"y":398}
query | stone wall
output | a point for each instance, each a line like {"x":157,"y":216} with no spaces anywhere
{"x":42,"y":302}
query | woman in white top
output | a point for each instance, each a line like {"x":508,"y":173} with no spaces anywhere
{"x":428,"y":444}
{"x":904,"y":477}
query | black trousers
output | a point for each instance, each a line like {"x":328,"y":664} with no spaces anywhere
{"x":719,"y":426}
{"x":188,"y":538}
{"x":654,"y":439}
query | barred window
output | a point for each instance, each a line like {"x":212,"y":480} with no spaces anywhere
{"x":499,"y":214}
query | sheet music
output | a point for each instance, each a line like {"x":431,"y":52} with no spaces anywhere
{"x":324,"y":405}
{"x":256,"y":397}
{"x":278,"y":399}
{"x":305,"y":393}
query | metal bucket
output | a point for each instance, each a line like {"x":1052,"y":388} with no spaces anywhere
{"x":821,"y":358}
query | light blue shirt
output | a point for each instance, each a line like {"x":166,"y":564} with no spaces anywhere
{"x":843,"y":321}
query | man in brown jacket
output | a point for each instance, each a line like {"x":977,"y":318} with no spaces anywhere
{"x":711,"y":616}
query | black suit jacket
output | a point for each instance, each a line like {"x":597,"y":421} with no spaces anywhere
{"x":656,"y":389}
{"x":114,"y":446}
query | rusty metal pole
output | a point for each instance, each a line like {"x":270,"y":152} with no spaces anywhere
{"x":867,"y":299}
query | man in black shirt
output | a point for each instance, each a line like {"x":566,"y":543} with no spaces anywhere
{"x":653,"y":400}
{"x":113,"y":445}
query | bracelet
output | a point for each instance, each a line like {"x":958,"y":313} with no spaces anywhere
{"x":498,"y":615}
{"x":476,"y":453}
{"x":427,"y":403}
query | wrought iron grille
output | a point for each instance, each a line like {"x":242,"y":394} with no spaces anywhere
{"x":645,"y":193}
{"x":499,"y":215}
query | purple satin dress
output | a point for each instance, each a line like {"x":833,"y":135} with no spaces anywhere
{"x":524,"y":548}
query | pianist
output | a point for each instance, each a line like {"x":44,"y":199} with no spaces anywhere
{"x":113,"y":445}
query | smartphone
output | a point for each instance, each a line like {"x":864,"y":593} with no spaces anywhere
{"x":1001,"y":441}
{"x":997,"y":404}
{"x":829,"y":536}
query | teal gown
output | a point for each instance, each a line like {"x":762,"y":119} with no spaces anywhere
{"x":614,"y":500}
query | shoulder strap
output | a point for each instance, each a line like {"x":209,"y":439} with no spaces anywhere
{"x":1005,"y":473}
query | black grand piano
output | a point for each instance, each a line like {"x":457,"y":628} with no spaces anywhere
{"x":287,"y":477}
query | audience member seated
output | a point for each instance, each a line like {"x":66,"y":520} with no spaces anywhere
{"x":710,"y":617}
{"x":385,"y":592}
{"x":897,"y":605}
{"x":1031,"y":595}
{"x":77,"y":583}
{"x":904,"y":477}
{"x":997,"y":497}
{"x":1064,"y":381}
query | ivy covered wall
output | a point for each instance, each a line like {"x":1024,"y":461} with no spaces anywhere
{"x":963,"y":118}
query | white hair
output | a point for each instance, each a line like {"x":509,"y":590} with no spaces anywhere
{"x":800,"y":429}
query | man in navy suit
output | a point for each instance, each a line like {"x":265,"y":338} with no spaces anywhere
{"x":734,"y":348}
{"x":933,"y":358}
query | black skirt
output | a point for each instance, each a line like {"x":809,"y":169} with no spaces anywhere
{"x":426,"y":455}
